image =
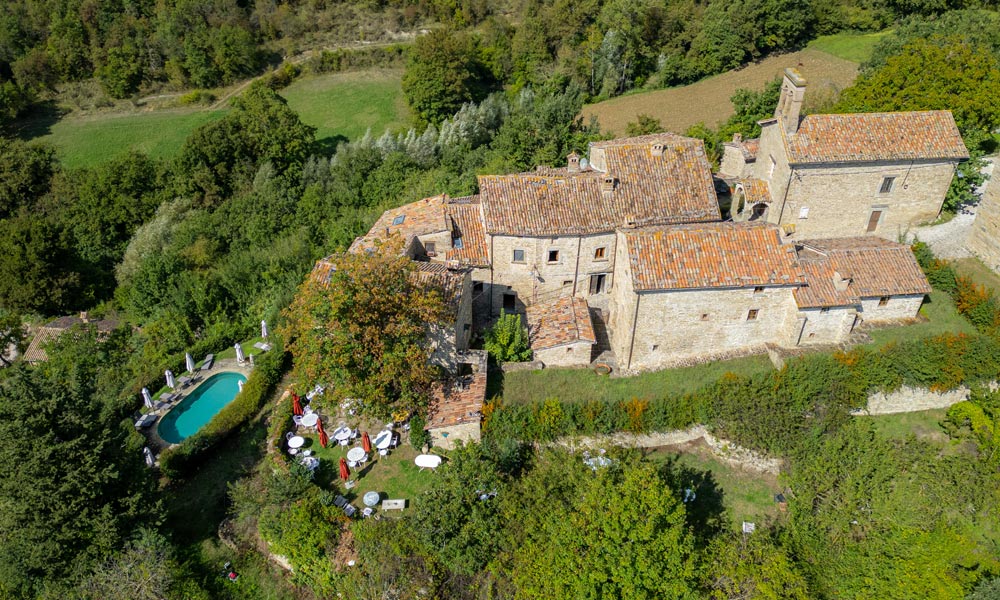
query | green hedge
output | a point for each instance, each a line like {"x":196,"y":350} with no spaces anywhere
{"x":280,"y":423}
{"x":180,"y":459}
{"x":347,"y":59}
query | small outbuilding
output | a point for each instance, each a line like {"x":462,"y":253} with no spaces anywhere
{"x":456,"y":408}
{"x":561,"y":332}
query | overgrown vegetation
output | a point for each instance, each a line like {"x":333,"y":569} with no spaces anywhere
{"x":507,"y":339}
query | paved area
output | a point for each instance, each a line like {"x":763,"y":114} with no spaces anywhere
{"x":947,"y":240}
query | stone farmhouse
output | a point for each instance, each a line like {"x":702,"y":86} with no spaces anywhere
{"x":836,"y":175}
{"x":625,"y":251}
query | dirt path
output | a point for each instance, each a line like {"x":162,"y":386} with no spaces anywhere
{"x":947,"y":240}
{"x":708,"y":100}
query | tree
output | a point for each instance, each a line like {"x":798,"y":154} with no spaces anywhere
{"x":13,"y":333}
{"x":507,"y":340}
{"x":443,"y":72}
{"x":643,"y":125}
{"x":144,"y":570}
{"x":25,"y":173}
{"x":39,"y":271}
{"x":363,"y":332}
{"x":621,"y":535}
{"x":751,"y":567}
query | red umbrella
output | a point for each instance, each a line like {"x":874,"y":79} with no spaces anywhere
{"x":366,"y":442}
{"x":323,"y":439}
{"x":345,"y":473}
{"x":296,"y":405}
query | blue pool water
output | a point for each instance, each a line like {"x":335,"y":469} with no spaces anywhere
{"x":185,"y":419}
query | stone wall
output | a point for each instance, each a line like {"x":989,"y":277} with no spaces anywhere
{"x":567,"y":355}
{"x":826,"y":326}
{"x":772,"y":152}
{"x":909,"y":399}
{"x":898,"y":308}
{"x":984,"y":238}
{"x":734,"y":165}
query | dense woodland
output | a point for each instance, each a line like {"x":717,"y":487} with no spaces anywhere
{"x":190,"y":253}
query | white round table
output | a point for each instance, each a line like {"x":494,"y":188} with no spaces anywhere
{"x":356,"y":454}
{"x":383,"y":440}
{"x":371,"y":498}
{"x":310,"y":420}
{"x":296,"y":442}
{"x":341,"y":433}
{"x":427,"y":461}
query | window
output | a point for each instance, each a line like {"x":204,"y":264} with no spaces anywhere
{"x":431,"y":248}
{"x":466,"y":327}
{"x":883,"y":300}
{"x":567,"y":282}
{"x":570,"y":349}
{"x":399,"y":220}
{"x":457,"y":244}
{"x":771,"y":170}
{"x":656,"y":347}
{"x":553,"y":256}
{"x":886,"y":185}
{"x":599,"y":253}
{"x":759,"y":289}
{"x":752,"y":315}
{"x":825,"y":309}
{"x":509,"y":302}
{"x":804,"y":212}
{"x":873,"y":220}
{"x":519,"y":256}
{"x":597,"y":283}
{"x":704,"y":316}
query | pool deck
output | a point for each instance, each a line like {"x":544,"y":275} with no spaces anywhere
{"x":152,"y":433}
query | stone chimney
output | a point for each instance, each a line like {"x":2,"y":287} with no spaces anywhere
{"x":840,"y":282}
{"x":573,"y":163}
{"x":793,"y":90}
{"x":658,"y":148}
{"x":608,"y":184}
{"x":737,"y":138}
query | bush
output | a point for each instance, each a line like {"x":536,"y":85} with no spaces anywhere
{"x":197,"y":97}
{"x":418,"y":435}
{"x":336,"y":61}
{"x":507,"y":340}
{"x":178,"y":460}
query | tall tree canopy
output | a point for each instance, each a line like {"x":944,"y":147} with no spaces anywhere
{"x":444,"y":71}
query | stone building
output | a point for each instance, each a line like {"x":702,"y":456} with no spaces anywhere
{"x":456,"y":407}
{"x":845,"y":174}
{"x":984,"y":238}
{"x":35,"y":352}
{"x":561,"y":332}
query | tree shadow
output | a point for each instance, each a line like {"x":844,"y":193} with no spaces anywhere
{"x":705,"y":511}
{"x":37,"y":121}
{"x":327,"y":146}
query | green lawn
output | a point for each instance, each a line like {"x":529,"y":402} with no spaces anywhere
{"x":746,"y":496}
{"x":974,"y":269}
{"x":585,"y":385}
{"x":855,"y":47}
{"x":87,"y":141}
{"x":346,"y":105}
{"x":925,"y":424}
{"x":943,"y":318}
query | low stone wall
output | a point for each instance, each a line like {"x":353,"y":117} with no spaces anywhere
{"x":533,"y":365}
{"x":910,"y":399}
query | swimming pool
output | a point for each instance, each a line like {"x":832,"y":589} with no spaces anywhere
{"x":193,"y":412}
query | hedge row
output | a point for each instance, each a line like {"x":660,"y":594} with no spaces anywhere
{"x":347,"y":59}
{"x":770,"y":411}
{"x":180,"y":459}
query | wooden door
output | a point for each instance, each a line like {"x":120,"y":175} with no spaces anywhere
{"x":873,"y":220}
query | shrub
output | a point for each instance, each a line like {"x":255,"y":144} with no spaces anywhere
{"x":507,"y":340}
{"x":197,"y":97}
{"x":418,"y":435}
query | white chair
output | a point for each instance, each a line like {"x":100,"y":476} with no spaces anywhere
{"x":383,"y":452}
{"x":307,"y":410}
{"x":352,"y":464}
{"x":344,"y":442}
{"x":289,"y":435}
{"x":293,"y":451}
{"x":367,"y":512}
{"x":307,"y":453}
{"x":354,"y":434}
{"x":297,"y":420}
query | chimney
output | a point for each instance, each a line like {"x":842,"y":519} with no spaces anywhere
{"x":573,"y":163}
{"x":658,"y":148}
{"x":840,"y":282}
{"x":737,"y":138}
{"x":608,"y":184}
{"x":793,"y":90}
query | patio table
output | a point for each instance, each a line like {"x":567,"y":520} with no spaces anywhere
{"x":383,"y":440}
{"x":357,"y":455}
{"x":371,"y":498}
{"x":342,"y":433}
{"x":296,"y":441}
{"x":310,"y":420}
{"x":427,"y":461}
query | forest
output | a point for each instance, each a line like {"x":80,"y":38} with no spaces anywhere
{"x":190,"y":253}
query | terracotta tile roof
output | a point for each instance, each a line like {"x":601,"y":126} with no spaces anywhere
{"x":675,"y":187}
{"x":565,"y":320}
{"x":876,"y":136}
{"x":459,"y":400}
{"x":417,"y":218}
{"x":710,"y":255}
{"x":748,"y":148}
{"x":467,"y":233}
{"x":875,"y":267}
{"x":449,"y":281}
{"x":53,"y":329}
{"x":754,"y":191}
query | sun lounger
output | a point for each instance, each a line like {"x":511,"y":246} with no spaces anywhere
{"x":207,"y":365}
{"x":145,"y":421}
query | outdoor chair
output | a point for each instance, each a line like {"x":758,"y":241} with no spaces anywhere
{"x":350,"y":511}
{"x":307,"y":453}
{"x":367,"y":512}
{"x":352,"y":464}
{"x":354,"y":434}
{"x":344,"y":442}
{"x":297,"y":420}
{"x":340,"y":502}
{"x":307,"y":410}
{"x":293,"y":451}
{"x":395,"y":441}
{"x":383,"y":452}
{"x":289,"y":435}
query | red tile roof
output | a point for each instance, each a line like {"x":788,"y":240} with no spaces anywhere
{"x":459,"y":400}
{"x":874,"y":266}
{"x":748,"y":148}
{"x":565,"y":320}
{"x":876,"y":136}
{"x":675,"y":187}
{"x":710,"y":255}
{"x":467,"y":232}
{"x":35,"y":351}
{"x":754,"y":191}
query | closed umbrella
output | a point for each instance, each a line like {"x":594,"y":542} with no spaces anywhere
{"x":263,"y":329}
{"x":323,"y":439}
{"x":189,"y":362}
{"x":239,"y":384}
{"x":239,"y":353}
{"x":345,"y":473}
{"x":296,"y":405}
{"x":147,"y":398}
{"x":170,"y":379}
{"x":366,"y":442}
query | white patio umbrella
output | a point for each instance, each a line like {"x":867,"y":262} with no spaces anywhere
{"x":147,"y":398}
{"x":170,"y":379}
{"x":239,"y":353}
{"x":263,"y":329}
{"x":239,"y":384}
{"x":148,"y":454}
{"x":189,"y":362}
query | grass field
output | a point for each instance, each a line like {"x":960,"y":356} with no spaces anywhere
{"x":925,"y":425}
{"x":974,"y":269}
{"x":341,"y":106}
{"x":855,"y":47}
{"x":942,"y":318}
{"x":707,"y":101}
{"x":585,"y":385}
